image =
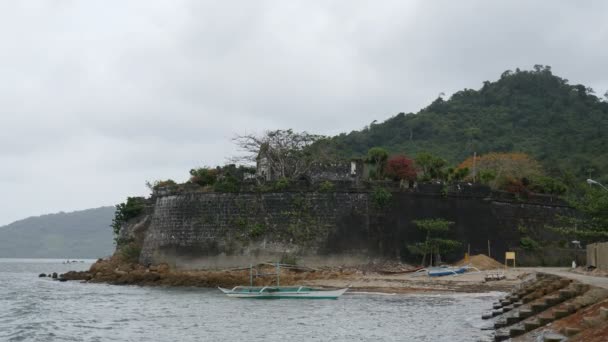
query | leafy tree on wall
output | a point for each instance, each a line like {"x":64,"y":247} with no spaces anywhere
{"x":431,"y":166}
{"x":592,"y":225}
{"x":434,"y":243}
{"x":377,"y":156}
{"x":288,"y":154}
{"x":401,"y":168}
{"x":506,"y":168}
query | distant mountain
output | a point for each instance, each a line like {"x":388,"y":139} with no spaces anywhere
{"x":564,"y":126}
{"x":79,"y":234}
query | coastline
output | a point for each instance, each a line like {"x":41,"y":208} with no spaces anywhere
{"x":364,"y":278}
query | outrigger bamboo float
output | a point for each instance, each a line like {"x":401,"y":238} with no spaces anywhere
{"x":279,"y":292}
{"x":282,"y":292}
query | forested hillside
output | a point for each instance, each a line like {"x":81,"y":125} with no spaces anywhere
{"x":79,"y":234}
{"x":564,"y":126}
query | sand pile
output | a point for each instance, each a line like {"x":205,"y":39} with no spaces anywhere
{"x":482,"y":262}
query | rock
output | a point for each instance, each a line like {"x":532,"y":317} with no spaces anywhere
{"x":62,"y":279}
{"x":42,"y":275}
{"x":54,"y":275}
{"x":604,"y":313}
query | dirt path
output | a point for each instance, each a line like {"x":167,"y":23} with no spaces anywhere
{"x":566,"y":273}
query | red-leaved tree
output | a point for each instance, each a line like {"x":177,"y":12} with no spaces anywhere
{"x":401,"y":168}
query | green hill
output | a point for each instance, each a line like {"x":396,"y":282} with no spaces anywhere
{"x":564,"y":126}
{"x":79,"y":234}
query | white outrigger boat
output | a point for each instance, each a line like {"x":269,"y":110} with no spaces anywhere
{"x":282,"y":292}
{"x":278,"y":292}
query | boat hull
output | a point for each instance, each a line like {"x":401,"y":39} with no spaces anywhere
{"x":284,"y":294}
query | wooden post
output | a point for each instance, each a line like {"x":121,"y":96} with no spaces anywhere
{"x":251,"y":275}
{"x":489,"y":254}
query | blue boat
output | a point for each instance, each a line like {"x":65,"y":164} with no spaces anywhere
{"x":445,"y":271}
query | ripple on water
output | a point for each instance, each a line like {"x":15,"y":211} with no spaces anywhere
{"x":33,"y":309}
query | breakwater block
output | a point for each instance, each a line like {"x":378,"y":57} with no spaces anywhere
{"x":500,"y":324}
{"x":512,"y":320}
{"x":486,"y":316}
{"x":517,"y":330}
{"x":551,"y":337}
{"x":544,"y":320}
{"x":538,"y":307}
{"x":571,"y":331}
{"x":501,"y":336}
{"x":525,"y":313}
{"x":531,"y":325}
{"x":560,"y":313}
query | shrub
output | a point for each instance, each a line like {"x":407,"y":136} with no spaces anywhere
{"x":381,"y":197}
{"x":160,"y":183}
{"x":326,"y":186}
{"x":130,"y":253}
{"x":126,"y":211}
{"x":529,"y":244}
{"x":203,"y":176}
{"x":281,"y":184}
{"x":227,"y":184}
{"x":401,"y":168}
{"x":257,"y":230}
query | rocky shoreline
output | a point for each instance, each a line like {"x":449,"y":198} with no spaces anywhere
{"x":363,"y":278}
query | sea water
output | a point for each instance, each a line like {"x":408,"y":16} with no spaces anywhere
{"x":40,"y":309}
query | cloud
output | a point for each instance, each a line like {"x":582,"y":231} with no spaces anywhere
{"x":98,"y":97}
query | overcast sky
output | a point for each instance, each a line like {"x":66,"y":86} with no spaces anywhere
{"x":96,"y":97}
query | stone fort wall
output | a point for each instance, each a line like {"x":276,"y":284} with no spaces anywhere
{"x":207,"y":230}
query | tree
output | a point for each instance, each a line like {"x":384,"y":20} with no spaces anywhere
{"x":505,"y":168}
{"x":592,"y":223}
{"x":377,"y":157}
{"x":287,"y":153}
{"x":434,"y":244}
{"x":203,"y":176}
{"x":401,"y":168}
{"x":432,"y":166}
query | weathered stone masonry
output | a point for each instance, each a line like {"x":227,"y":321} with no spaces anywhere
{"x":198,"y":229}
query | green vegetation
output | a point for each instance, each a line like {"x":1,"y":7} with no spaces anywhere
{"x":129,"y":252}
{"x":203,"y":176}
{"x":434,"y":244}
{"x":126,"y":211}
{"x":381,"y":197}
{"x":160,"y":184}
{"x":326,"y":186}
{"x":591,"y":225}
{"x":376,"y":157}
{"x":535,"y":112}
{"x":257,"y":230}
{"x":529,"y":244}
{"x":79,"y":234}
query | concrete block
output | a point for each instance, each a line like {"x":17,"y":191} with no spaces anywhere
{"x":531,"y":325}
{"x":517,"y":330}
{"x":550,"y":337}
{"x":512,"y":320}
{"x":544,"y":320}
{"x":525,"y":313}
{"x":560,"y":313}
{"x":571,"y":331}
{"x":538,"y":306}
